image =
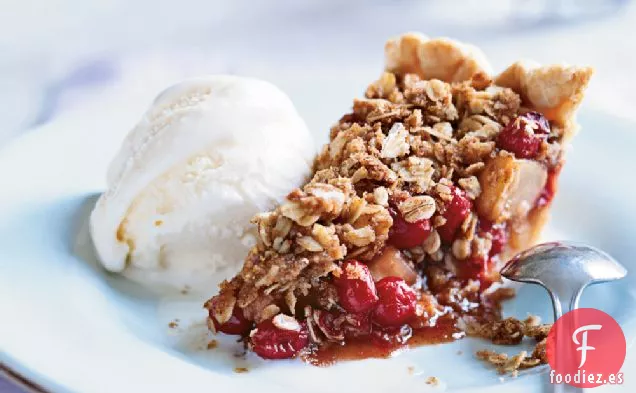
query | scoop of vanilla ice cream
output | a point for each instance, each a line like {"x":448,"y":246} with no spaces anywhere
{"x":209,"y":154}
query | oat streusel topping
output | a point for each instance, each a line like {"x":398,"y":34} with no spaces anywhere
{"x":405,"y":144}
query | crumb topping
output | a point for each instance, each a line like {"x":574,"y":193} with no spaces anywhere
{"x":405,"y":144}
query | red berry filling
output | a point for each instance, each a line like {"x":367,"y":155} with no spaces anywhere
{"x":476,"y":268}
{"x":237,"y":324}
{"x":396,"y":304}
{"x":271,"y":342}
{"x":405,"y":234}
{"x":456,"y":211}
{"x":550,"y":187}
{"x":498,"y":233}
{"x":523,"y":135}
{"x":356,"y":289}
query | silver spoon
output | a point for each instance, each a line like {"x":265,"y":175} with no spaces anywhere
{"x":565,"y":269}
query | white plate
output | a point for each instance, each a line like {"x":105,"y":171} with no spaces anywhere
{"x":69,"y":326}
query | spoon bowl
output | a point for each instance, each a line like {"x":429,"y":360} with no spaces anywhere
{"x":550,"y":264}
{"x":564,"y":268}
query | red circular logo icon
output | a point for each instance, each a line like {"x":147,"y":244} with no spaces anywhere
{"x":586,"y":348}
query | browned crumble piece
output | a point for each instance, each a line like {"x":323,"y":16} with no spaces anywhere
{"x":173,"y":324}
{"x":509,"y":365}
{"x":539,"y":332}
{"x":492,"y":357}
{"x":512,"y":364}
{"x":241,"y":370}
{"x":539,"y":352}
{"x":434,"y":381}
{"x":507,"y":332}
{"x":212,"y":344}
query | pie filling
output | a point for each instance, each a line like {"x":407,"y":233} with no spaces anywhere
{"x":421,"y":195}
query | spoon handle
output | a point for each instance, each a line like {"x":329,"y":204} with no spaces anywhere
{"x":565,"y":297}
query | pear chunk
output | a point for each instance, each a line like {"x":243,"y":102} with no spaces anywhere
{"x":391,"y":263}
{"x":510,"y":187}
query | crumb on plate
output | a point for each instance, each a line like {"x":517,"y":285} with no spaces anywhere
{"x":511,"y":331}
{"x":434,"y":381}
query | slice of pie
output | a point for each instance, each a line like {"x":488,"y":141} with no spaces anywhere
{"x":438,"y":176}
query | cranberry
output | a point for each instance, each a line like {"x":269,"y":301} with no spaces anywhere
{"x":396,"y":304}
{"x":498,"y":233}
{"x":523,"y":135}
{"x":271,"y":342}
{"x":237,"y":324}
{"x":550,"y":187}
{"x":356,"y":289}
{"x":541,"y":123}
{"x":405,"y":234}
{"x":456,"y":211}
{"x":472,"y":268}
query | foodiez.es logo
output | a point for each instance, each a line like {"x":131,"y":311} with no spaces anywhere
{"x":586,"y":348}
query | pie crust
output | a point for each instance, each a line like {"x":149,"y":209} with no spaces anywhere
{"x":554,"y":90}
